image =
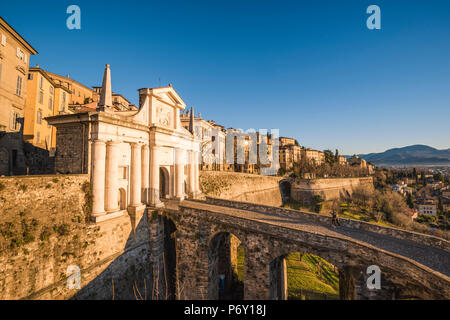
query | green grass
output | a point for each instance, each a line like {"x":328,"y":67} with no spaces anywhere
{"x":240,"y":264}
{"x":307,"y":281}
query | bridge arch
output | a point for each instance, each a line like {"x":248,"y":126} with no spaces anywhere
{"x":170,"y":258}
{"x":285,"y":190}
{"x":226,"y":256}
{"x":300,"y":276}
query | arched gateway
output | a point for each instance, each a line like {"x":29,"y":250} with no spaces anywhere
{"x":103,"y":141}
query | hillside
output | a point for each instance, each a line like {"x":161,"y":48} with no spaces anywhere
{"x":411,"y":155}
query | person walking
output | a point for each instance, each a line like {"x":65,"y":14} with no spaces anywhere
{"x":334,"y":219}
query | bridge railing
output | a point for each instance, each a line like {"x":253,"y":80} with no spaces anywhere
{"x":428,"y":240}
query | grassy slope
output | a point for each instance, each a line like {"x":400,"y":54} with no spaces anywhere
{"x":305,"y":279}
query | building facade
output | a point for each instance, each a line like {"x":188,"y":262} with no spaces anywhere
{"x":45,"y":98}
{"x":134,"y":158}
{"x":79,"y":93}
{"x":15,"y":54}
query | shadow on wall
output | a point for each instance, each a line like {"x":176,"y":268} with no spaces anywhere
{"x":285,"y":190}
{"x":18,"y":157}
{"x":129,"y":276}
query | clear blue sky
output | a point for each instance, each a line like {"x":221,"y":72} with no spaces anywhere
{"x":310,"y":68}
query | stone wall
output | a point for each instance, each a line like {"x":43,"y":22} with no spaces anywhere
{"x":72,"y":145}
{"x":303,"y":191}
{"x":241,"y":187}
{"x":355,"y":224}
{"x":45,"y":228}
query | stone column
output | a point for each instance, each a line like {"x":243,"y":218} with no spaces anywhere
{"x":145,"y":172}
{"x":98,"y":177}
{"x":192,"y":173}
{"x":112,"y":171}
{"x":278,"y":279}
{"x":179,"y":173}
{"x":154,"y":178}
{"x":347,"y":283}
{"x":135,"y":180}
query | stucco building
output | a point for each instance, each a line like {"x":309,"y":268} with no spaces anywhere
{"x":79,"y":93}
{"x":45,"y":98}
{"x":134,"y":158}
{"x":15,"y":54}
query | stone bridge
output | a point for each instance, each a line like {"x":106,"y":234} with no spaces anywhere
{"x":199,"y":238}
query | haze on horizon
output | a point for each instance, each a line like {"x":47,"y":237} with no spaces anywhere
{"x":311,"y":69}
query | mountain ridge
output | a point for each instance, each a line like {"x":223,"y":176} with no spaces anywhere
{"x":417,"y":154}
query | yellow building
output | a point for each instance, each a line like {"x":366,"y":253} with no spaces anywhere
{"x":45,"y":98}
{"x":79,"y":93}
{"x":15,"y":54}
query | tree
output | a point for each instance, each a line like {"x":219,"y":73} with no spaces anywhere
{"x":440,"y":206}
{"x":409,"y":200}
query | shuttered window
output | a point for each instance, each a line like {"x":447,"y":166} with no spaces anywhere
{"x":39,"y":117}
{"x":19,"y":86}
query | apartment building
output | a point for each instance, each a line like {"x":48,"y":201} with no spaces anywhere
{"x":15,"y":54}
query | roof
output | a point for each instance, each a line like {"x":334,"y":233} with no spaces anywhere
{"x":46,"y":76}
{"x":55,"y":75}
{"x":17,"y":36}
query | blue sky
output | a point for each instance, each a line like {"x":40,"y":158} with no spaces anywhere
{"x":310,"y":68}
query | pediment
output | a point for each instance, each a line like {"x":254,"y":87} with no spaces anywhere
{"x":169,"y":96}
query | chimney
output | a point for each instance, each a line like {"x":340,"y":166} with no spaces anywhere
{"x":106,"y":93}
{"x":191,"y":121}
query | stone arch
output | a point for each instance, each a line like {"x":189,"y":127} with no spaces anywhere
{"x":293,"y":275}
{"x":123,"y":203}
{"x":164,"y":182}
{"x":170,"y":257}
{"x":285,"y":190}
{"x":226,"y":255}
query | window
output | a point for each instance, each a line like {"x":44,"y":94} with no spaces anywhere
{"x":41,"y":80}
{"x":64,"y":96}
{"x":50,"y":103}
{"x":3,"y":40}
{"x":41,"y":97}
{"x":19,"y":86}
{"x":0,"y":74}
{"x":30,"y":76}
{"x":13,"y":124}
{"x":51,"y":89}
{"x":78,"y":93}
{"x":39,"y":117}
{"x":38,"y":137}
{"x":20,"y":54}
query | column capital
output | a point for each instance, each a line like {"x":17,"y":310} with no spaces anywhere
{"x":136,"y":144}
{"x":98,"y":141}
{"x":112,"y":143}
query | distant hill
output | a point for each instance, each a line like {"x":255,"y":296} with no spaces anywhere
{"x":409,"y":156}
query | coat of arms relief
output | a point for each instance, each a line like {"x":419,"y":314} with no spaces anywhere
{"x":163,"y":117}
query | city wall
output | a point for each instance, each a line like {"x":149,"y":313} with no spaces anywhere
{"x":45,"y":228}
{"x":303,"y":191}
{"x":241,"y":187}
